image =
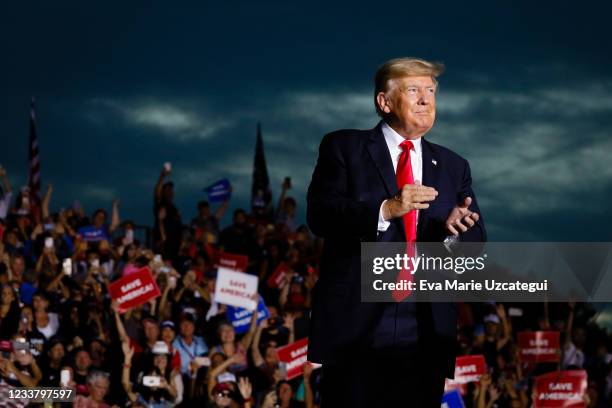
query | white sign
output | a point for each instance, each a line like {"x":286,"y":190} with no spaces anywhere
{"x":236,"y":288}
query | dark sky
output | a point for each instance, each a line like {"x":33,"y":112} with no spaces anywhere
{"x":123,"y":87}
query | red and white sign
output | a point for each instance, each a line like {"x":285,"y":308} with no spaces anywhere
{"x":539,"y":346}
{"x":135,"y":289}
{"x":467,"y":369}
{"x":277,"y":279}
{"x":236,"y":288}
{"x":560,"y":389}
{"x":292,"y":358}
{"x":236,"y":262}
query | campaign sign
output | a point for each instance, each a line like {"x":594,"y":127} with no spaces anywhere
{"x":277,"y":279}
{"x":241,"y":318}
{"x":467,"y":369}
{"x":236,"y":262}
{"x":292,"y":358}
{"x":91,"y":233}
{"x":219,"y":191}
{"x":539,"y":346}
{"x":452,"y":399}
{"x":560,"y":389}
{"x":236,"y":288}
{"x":135,"y":289}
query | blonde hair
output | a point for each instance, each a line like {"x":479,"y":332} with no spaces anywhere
{"x":403,"y":67}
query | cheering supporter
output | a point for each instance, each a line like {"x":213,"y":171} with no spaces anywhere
{"x":17,"y":365}
{"x":98,"y":384}
{"x":189,"y":346}
{"x":158,"y":384}
{"x":62,"y":274}
{"x":231,"y":347}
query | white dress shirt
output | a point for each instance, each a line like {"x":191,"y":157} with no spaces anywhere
{"x":394,"y":140}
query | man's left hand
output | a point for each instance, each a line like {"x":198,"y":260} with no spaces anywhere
{"x":461,"y":218}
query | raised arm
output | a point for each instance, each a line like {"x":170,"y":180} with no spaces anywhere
{"x":506,"y":332}
{"x":160,"y":183}
{"x":123,"y":337}
{"x":284,"y":187}
{"x":128,"y":353}
{"x":308,"y":394}
{"x":46,"y":200}
{"x":213,"y":373}
{"x":255,"y":353}
{"x":248,"y":337}
{"x":115,"y":220}
{"x":6,"y":184}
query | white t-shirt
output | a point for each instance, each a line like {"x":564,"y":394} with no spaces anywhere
{"x":51,"y":328}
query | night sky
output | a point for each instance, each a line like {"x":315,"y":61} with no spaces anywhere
{"x":121,"y":88}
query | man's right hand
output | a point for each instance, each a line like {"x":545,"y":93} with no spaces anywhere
{"x":410,"y":197}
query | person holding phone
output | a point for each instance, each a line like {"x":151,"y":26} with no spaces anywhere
{"x":157,"y":386}
{"x":17,"y":365}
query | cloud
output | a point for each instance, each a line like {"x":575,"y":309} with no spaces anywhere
{"x":98,"y":193}
{"x":173,"y":120}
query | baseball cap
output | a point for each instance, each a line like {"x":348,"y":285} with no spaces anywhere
{"x":168,"y":323}
{"x":491,"y":318}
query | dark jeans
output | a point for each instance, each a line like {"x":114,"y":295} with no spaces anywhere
{"x":383,"y":378}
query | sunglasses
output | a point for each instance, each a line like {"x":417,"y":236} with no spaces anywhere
{"x":222,"y":394}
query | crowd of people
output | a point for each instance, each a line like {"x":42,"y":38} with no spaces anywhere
{"x":60,"y":327}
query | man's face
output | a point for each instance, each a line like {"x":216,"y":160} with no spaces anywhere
{"x":18,"y":266}
{"x":82,"y":360}
{"x":187,"y":328}
{"x":56,"y":353}
{"x":411,"y":102}
{"x":151,"y":330}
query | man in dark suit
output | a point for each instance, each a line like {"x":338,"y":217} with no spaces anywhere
{"x":386,"y":184}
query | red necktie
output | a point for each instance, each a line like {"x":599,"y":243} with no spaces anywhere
{"x":405,"y":176}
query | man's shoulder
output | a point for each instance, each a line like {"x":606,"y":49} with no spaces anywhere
{"x":445,"y":154}
{"x":346,"y":136}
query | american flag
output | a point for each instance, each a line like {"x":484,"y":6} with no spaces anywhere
{"x":33,"y":156}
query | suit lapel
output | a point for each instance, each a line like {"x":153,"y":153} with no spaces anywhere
{"x":379,"y":152}
{"x":431,"y":171}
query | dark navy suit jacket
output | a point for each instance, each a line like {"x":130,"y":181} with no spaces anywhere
{"x":353,"y":176}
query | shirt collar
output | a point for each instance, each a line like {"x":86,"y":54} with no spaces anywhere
{"x":394,"y":139}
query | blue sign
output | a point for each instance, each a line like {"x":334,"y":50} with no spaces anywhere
{"x":92,"y":234}
{"x":219,"y":191}
{"x":241,"y":318}
{"x":452,"y":399}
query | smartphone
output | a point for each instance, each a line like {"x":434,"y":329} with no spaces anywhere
{"x":172,"y":282}
{"x":64,"y":378}
{"x":168,"y":167}
{"x":129,"y":236}
{"x":49,"y":242}
{"x":202,"y":361}
{"x":151,"y":381}
{"x":288,"y":182}
{"x":67,"y":266}
{"x":157,"y":258}
{"x":95,"y":263}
